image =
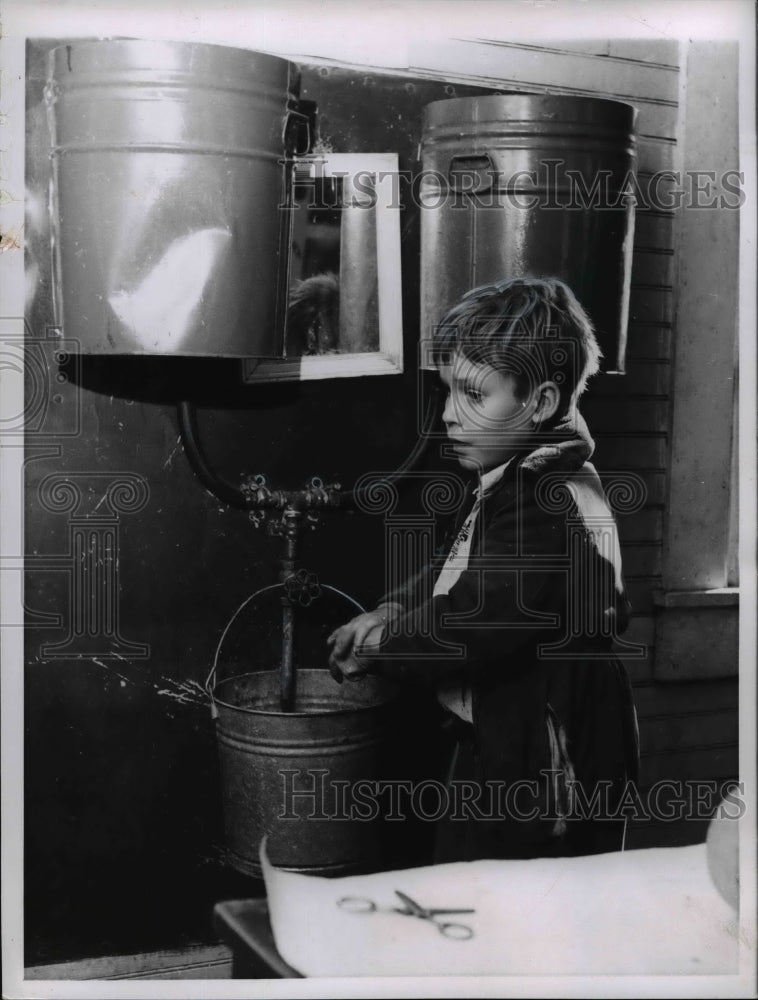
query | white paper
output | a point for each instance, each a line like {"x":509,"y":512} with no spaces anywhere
{"x":565,"y":916}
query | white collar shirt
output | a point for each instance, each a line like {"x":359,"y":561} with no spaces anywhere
{"x":454,"y":694}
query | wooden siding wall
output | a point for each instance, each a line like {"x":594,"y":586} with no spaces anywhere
{"x":688,"y":731}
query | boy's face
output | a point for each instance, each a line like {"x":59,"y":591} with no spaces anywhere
{"x":484,"y":417}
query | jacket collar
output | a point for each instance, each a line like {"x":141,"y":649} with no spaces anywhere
{"x":488,"y":480}
{"x":564,"y":448}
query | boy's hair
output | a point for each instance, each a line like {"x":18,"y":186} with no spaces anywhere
{"x":531,"y":328}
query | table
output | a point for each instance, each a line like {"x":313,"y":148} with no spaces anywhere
{"x":243,"y":924}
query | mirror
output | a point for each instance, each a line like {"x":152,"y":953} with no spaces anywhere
{"x":344,"y":314}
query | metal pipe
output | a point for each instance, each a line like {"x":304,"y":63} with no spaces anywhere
{"x":192,"y":448}
{"x":287,"y":668}
{"x":291,"y":527}
{"x":300,"y":499}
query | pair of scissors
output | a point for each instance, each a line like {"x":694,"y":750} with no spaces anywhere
{"x":410,"y":908}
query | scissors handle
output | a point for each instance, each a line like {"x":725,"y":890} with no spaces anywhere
{"x":356,"y":904}
{"x":450,"y":930}
{"x":459,"y":931}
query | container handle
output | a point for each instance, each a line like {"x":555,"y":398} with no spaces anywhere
{"x":471,"y":173}
{"x":210,"y":681}
{"x":296,"y":127}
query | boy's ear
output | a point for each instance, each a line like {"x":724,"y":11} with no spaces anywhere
{"x":546,"y":398}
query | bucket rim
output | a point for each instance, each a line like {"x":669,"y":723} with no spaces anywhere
{"x":89,"y":45}
{"x":446,"y":111}
{"x":385,"y":699}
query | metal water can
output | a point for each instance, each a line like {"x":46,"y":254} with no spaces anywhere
{"x":530,"y":185}
{"x":169,"y":181}
{"x":305,"y":778}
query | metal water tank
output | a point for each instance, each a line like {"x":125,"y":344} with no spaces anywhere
{"x":530,"y":184}
{"x":168,"y":185}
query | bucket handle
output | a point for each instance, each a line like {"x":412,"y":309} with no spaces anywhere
{"x":210,"y":681}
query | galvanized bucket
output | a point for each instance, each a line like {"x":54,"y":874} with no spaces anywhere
{"x":169,"y":179}
{"x":530,"y":184}
{"x":294,"y":776}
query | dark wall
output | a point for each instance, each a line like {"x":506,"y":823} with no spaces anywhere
{"x":124,"y":846}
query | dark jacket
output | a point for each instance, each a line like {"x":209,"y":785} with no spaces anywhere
{"x":530,"y":625}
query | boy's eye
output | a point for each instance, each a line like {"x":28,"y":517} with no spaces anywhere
{"x":476,"y":395}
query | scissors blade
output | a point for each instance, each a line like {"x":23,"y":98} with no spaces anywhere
{"x":436,"y":913}
{"x":412,"y":907}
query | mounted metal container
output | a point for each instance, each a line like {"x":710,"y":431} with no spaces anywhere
{"x":528,"y":184}
{"x":169,"y":182}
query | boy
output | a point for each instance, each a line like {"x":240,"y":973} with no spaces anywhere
{"x":515,"y":631}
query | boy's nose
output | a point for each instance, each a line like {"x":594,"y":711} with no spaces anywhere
{"x":449,"y":415}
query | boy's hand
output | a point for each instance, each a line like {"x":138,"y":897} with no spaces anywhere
{"x":365,"y":629}
{"x":348,"y":667}
{"x":346,"y":637}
